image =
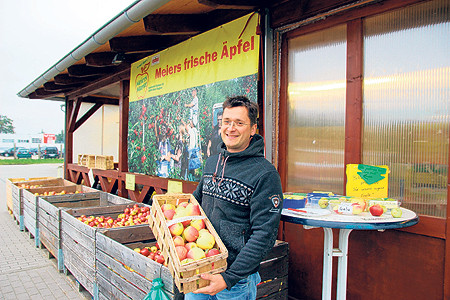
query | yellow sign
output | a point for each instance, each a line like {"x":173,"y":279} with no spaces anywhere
{"x":367,"y":181}
{"x":130,"y":181}
{"x":227,"y":52}
{"x":174,"y":187}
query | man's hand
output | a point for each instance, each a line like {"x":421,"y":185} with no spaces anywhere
{"x":216,"y":284}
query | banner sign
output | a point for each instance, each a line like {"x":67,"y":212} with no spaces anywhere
{"x":224,"y":53}
{"x":176,"y":98}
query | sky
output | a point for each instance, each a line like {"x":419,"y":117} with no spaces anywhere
{"x":35,"y":35}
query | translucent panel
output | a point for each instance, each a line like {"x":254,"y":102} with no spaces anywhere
{"x":316,"y":101}
{"x":406,"y":102}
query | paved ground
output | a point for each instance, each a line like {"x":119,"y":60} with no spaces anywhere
{"x":26,"y":272}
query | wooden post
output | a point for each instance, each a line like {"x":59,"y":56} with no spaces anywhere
{"x":68,"y":154}
{"x":353,"y":107}
{"x":123,"y":134}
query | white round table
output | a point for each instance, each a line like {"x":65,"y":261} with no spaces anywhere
{"x":325,"y":218}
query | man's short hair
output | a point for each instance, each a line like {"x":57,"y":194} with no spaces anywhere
{"x":237,"y":101}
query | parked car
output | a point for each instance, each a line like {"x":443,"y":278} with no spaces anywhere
{"x":3,"y":150}
{"x":10,"y":152}
{"x":23,"y":153}
{"x":49,"y":152}
{"x":34,"y":151}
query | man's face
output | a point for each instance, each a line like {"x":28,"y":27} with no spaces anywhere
{"x":219,"y":121}
{"x":236,"y":129}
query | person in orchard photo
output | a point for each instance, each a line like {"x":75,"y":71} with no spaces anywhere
{"x":241,"y":194}
{"x":193,"y":108}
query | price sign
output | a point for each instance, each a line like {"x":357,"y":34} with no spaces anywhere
{"x":367,"y":181}
{"x":130,"y":182}
{"x":345,"y":208}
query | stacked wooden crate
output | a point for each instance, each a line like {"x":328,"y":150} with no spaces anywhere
{"x":102,"y":162}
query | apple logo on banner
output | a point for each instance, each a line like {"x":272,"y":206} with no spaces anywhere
{"x":276,"y":203}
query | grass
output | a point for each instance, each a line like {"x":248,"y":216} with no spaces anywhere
{"x":30,"y":161}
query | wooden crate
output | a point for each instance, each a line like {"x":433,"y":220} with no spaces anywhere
{"x":274,"y":273}
{"x":49,"y":215}
{"x":82,"y":159}
{"x":9,"y":192}
{"x":186,"y":276}
{"x":90,"y":161}
{"x":104,"y":162}
{"x":16,"y":194}
{"x":86,"y":160}
{"x":79,"y":242}
{"x":30,"y":202}
{"x":125,"y":274}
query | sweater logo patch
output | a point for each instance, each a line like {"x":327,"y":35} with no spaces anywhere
{"x":275,"y":203}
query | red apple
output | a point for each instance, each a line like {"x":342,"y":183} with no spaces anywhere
{"x":376,"y":210}
{"x":183,"y":204}
{"x":145,"y":252}
{"x":192,"y":209}
{"x":176,"y":229}
{"x":167,"y":206}
{"x":190,"y":245}
{"x":159,"y":259}
{"x":212,"y":252}
{"x":152,"y":255}
{"x":178,"y":240}
{"x":181,"y":252}
{"x":190,"y":234}
{"x":169,"y":213}
{"x":198,"y":224}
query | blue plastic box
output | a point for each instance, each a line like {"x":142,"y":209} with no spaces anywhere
{"x":294,"y":200}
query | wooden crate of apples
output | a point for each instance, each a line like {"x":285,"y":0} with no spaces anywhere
{"x":187,"y":240}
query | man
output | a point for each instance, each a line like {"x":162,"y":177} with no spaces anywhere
{"x":241,"y":194}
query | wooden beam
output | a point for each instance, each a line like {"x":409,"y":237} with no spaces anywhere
{"x":233,"y":4}
{"x":89,"y":89}
{"x":100,"y":59}
{"x":175,"y":24}
{"x":87,"y":115}
{"x":41,"y":93}
{"x":51,"y":86}
{"x":101,"y":100}
{"x":73,"y":115}
{"x":145,"y":43}
{"x":66,"y":79}
{"x":85,"y":71}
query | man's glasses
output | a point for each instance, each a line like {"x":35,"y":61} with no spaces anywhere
{"x":237,"y":124}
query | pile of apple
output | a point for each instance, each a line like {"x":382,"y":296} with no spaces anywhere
{"x":32,"y":186}
{"x":191,"y":238}
{"x":153,"y":252}
{"x":53,"y":193}
{"x":358,"y":205}
{"x":131,"y":216}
